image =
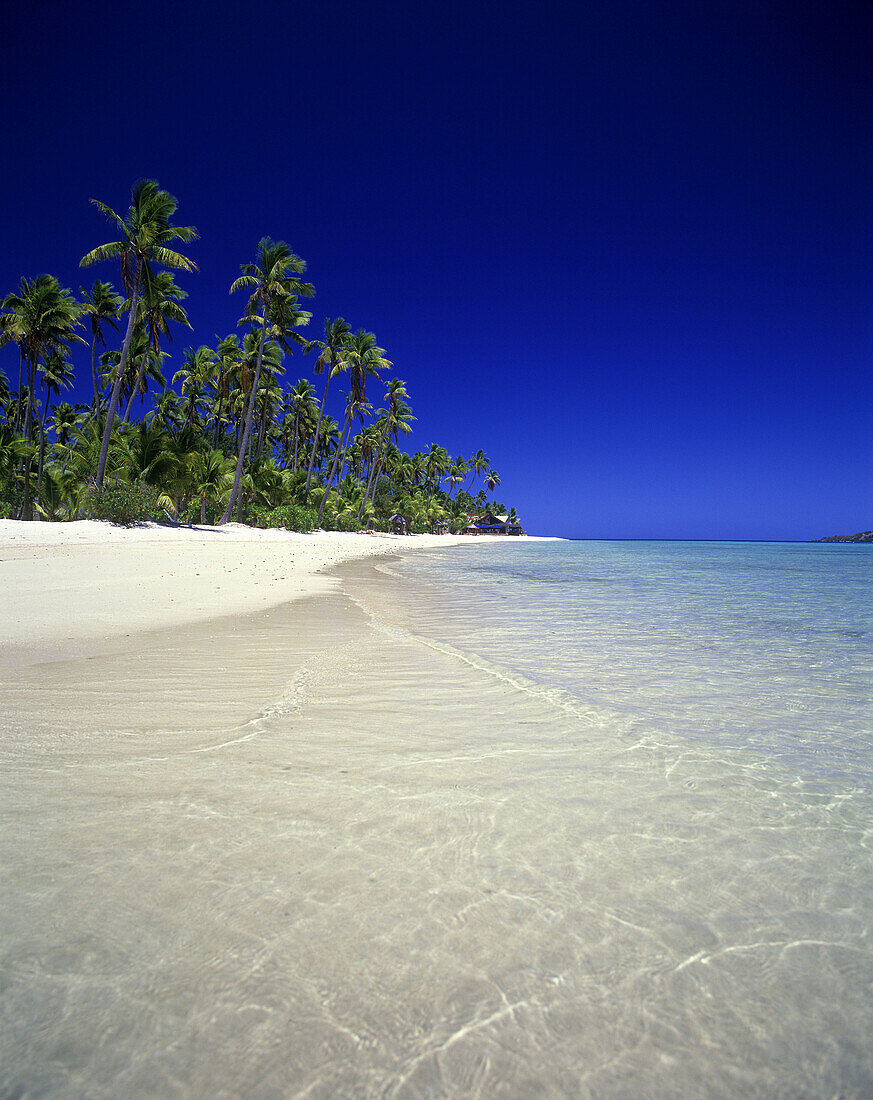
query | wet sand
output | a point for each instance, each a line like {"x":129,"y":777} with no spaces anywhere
{"x":199,"y":881}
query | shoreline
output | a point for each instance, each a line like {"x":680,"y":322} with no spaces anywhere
{"x":73,"y":587}
{"x":302,"y":849}
{"x":217,"y":827}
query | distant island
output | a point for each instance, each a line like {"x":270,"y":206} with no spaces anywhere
{"x":862,"y":536}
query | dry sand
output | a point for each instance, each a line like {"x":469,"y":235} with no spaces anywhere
{"x":68,"y":588}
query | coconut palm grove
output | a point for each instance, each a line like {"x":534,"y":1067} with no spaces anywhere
{"x":213,"y":433}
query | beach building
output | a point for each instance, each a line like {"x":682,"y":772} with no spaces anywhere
{"x":399,"y":524}
{"x":493,"y":523}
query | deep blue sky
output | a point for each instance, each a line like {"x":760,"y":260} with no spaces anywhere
{"x":623,"y":247}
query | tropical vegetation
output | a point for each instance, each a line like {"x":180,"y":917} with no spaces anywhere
{"x":226,"y":437}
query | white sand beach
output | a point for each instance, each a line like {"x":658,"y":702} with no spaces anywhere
{"x":154,"y":684}
{"x":67,"y":587}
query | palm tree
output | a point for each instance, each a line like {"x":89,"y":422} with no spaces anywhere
{"x":196,"y":375}
{"x":396,"y":419}
{"x":41,"y":318}
{"x":227,"y":359}
{"x":477,"y":465}
{"x":266,"y":483}
{"x":436,"y":463}
{"x":327,"y":444}
{"x":102,"y":306}
{"x":144,"y":364}
{"x":403,"y":471}
{"x":57,"y":374}
{"x":337,"y":335}
{"x":211,"y":476}
{"x":242,"y":375}
{"x":419,"y":467}
{"x":145,"y":234}
{"x":270,"y":398}
{"x":354,"y":407}
{"x":299,"y":403}
{"x":166,"y":411}
{"x":158,"y":305}
{"x":273,"y":304}
{"x":64,"y":422}
{"x":364,"y":359}
{"x":457,"y":472}
{"x":145,"y":453}
{"x":365,"y":447}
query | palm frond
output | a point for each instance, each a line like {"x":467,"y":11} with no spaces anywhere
{"x":184,"y":233}
{"x":169,"y":258}
{"x":109,"y":213}
{"x":245,"y":280}
{"x":109,"y":251}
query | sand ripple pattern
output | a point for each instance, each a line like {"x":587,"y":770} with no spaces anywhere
{"x":339,"y":850}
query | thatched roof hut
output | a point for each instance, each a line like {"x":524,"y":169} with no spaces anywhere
{"x":495,"y":523}
{"x":399,"y":524}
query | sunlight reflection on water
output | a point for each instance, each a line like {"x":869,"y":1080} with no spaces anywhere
{"x":457,"y":832}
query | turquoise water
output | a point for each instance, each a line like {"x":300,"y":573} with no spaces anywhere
{"x":695,"y":819}
{"x":765,"y":648}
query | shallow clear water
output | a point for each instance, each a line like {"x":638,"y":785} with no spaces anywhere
{"x":718,"y":701}
{"x":519,"y":820}
{"x":766,"y":647}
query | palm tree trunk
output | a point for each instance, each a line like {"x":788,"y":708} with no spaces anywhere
{"x":203,"y":509}
{"x":93,"y":365}
{"x":296,"y":425}
{"x":27,"y":511}
{"x":116,"y":389}
{"x":48,"y":394}
{"x":382,"y":460}
{"x":375,"y":484}
{"x":263,"y":433}
{"x":135,"y":390}
{"x":237,"y":477}
{"x":376,"y":460}
{"x":339,"y":451}
{"x":218,"y":419}
{"x":317,"y":433}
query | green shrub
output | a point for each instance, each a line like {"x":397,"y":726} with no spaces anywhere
{"x":292,"y":517}
{"x":259,"y":516}
{"x":348,"y":521}
{"x":328,"y":519}
{"x":122,"y":503}
{"x":191,"y":513}
{"x":7,"y":509}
